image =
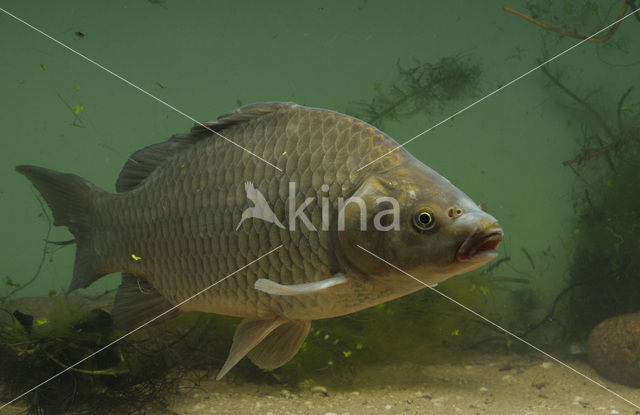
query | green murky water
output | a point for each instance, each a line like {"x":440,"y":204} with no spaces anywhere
{"x":553,"y":156}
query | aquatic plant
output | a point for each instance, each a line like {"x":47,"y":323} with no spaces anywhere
{"x":420,"y":87}
{"x":571,"y":16}
{"x":136,"y":375}
{"x":603,"y":278}
{"x":604,"y":268}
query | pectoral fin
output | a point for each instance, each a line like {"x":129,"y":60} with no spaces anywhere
{"x":317,"y":287}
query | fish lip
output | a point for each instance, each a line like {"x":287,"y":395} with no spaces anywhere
{"x":480,"y":245}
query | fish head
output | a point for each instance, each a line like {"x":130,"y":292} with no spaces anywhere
{"x":418,"y":222}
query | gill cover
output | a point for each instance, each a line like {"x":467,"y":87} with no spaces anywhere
{"x":366,"y":219}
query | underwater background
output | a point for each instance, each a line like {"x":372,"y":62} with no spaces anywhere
{"x":553,"y":155}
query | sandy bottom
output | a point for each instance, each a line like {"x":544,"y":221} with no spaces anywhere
{"x":485,"y":385}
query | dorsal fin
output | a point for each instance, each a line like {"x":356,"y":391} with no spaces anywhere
{"x":242,"y":114}
{"x":144,"y":161}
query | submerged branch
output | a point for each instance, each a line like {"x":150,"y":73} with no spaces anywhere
{"x":562,"y":32}
{"x":576,"y":98}
{"x":617,"y":138}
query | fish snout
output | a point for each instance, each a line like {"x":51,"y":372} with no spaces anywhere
{"x":481,"y":244}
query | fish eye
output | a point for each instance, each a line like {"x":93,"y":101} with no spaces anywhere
{"x":424,"y":220}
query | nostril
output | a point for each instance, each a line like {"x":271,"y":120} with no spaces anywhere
{"x":454,"y":212}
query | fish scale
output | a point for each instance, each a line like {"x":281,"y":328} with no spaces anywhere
{"x":228,"y":210}
{"x":196,"y":209}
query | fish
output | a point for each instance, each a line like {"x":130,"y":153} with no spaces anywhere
{"x":345,"y":213}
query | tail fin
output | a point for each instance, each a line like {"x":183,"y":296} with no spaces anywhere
{"x":69,"y":197}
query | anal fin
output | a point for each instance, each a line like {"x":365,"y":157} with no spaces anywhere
{"x":137,"y":302}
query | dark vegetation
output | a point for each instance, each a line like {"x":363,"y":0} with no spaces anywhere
{"x":605,"y":267}
{"x":136,"y":375}
{"x":419,"y":89}
{"x":604,"y":274}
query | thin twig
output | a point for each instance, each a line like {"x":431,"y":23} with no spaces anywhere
{"x":497,"y":263}
{"x":549,"y":317}
{"x":529,"y":258}
{"x":576,"y":98}
{"x":562,"y":32}
{"x":632,"y":3}
{"x":616,"y":140}
{"x":44,"y":249}
{"x":61,"y":243}
{"x":621,"y":106}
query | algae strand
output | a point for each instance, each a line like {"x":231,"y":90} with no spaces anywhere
{"x":420,"y":87}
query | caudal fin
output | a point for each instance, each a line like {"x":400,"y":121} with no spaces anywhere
{"x":69,"y":197}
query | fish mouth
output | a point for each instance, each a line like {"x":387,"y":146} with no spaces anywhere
{"x":480,"y":245}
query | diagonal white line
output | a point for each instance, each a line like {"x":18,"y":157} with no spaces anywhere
{"x":499,"y":89}
{"x":137,"y":87}
{"x":501,"y":328}
{"x":137,"y":328}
